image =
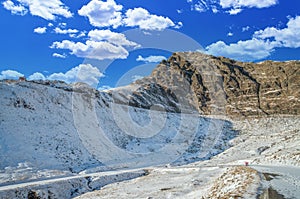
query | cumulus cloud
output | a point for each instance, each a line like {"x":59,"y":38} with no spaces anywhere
{"x":118,"y":39}
{"x":47,"y":9}
{"x":40,"y":30}
{"x":179,"y":25}
{"x":230,"y":34}
{"x":83,"y":73}
{"x":140,"y":17}
{"x":262,"y":43}
{"x":62,"y":24}
{"x":15,"y":9}
{"x":36,"y":76}
{"x":201,"y":6}
{"x":136,"y":77}
{"x":102,"y":14}
{"x":78,"y":35}
{"x":232,"y":7}
{"x":109,"y":14}
{"x":235,"y":11}
{"x":287,"y":37}
{"x":10,"y":74}
{"x":65,"y":31}
{"x":246,"y":28}
{"x":247,"y":3}
{"x":104,"y":87}
{"x":248,"y":50}
{"x":204,"y":5}
{"x":73,"y":33}
{"x":93,"y":50}
{"x":102,"y":44}
{"x":179,"y":11}
{"x":59,"y":55}
{"x":151,"y":59}
{"x":214,"y":9}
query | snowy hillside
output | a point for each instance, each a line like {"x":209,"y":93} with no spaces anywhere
{"x":52,"y":130}
{"x":270,"y":145}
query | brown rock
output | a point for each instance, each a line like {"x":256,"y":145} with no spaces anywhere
{"x":192,"y":81}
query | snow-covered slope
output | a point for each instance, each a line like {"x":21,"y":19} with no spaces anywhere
{"x":270,"y":145}
{"x":52,"y":129}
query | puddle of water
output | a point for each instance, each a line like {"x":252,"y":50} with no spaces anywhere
{"x":270,"y":176}
{"x":270,"y":193}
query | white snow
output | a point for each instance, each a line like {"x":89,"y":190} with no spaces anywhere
{"x":58,"y":137}
{"x":258,"y":139}
{"x":52,"y":130}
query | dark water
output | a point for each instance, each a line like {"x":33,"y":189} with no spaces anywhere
{"x":270,"y":193}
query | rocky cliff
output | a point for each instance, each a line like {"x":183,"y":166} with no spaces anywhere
{"x":195,"y":82}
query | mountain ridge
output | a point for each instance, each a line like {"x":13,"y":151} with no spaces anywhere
{"x":218,"y":85}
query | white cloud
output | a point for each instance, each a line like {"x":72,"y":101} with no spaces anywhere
{"x":101,"y":44}
{"x":118,"y":39}
{"x":102,"y":14}
{"x":248,"y":50}
{"x":104,"y":87}
{"x":262,"y":44}
{"x":59,"y":55}
{"x":36,"y":76}
{"x":50,"y":25}
{"x":93,"y":50}
{"x":230,"y":34}
{"x":204,"y":5}
{"x":43,"y":8}
{"x":58,"y":30}
{"x":214,"y":9}
{"x":235,"y":11}
{"x":73,"y":33}
{"x":141,"y":18}
{"x":15,"y":9}
{"x":244,"y":29}
{"x":136,"y":77}
{"x":201,"y":6}
{"x":109,"y":14}
{"x":10,"y":74}
{"x":83,"y":73}
{"x":179,"y":11}
{"x":247,"y":3}
{"x":232,"y":7}
{"x":287,"y":37}
{"x":81,"y":34}
{"x":62,"y":25}
{"x":40,"y":30}
{"x":179,"y":25}
{"x":151,"y":59}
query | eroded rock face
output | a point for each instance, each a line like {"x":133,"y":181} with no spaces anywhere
{"x":195,"y":82}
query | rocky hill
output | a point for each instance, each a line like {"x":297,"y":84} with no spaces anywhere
{"x":193,"y":81}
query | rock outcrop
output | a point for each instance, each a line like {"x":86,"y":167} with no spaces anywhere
{"x":196,"y":82}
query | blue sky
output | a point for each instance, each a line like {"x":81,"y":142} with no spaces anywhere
{"x":113,"y":42}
